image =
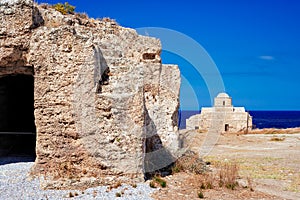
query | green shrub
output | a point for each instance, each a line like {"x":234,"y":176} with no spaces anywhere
{"x":200,"y":195}
{"x":160,"y":181}
{"x":65,"y":8}
{"x":202,"y":186}
{"x":157,"y":181}
{"x":209,"y":185}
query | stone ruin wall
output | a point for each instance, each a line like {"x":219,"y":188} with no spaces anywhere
{"x":220,"y":116}
{"x":103,"y":100}
{"x":193,"y":122}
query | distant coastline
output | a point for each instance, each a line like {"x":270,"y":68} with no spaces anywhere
{"x":261,"y":119}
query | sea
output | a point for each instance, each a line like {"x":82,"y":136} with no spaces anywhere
{"x":260,"y":119}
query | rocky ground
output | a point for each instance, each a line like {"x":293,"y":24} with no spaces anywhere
{"x":15,"y":185}
{"x":269,"y":168}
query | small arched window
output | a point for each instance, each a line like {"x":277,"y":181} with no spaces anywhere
{"x":223,"y":103}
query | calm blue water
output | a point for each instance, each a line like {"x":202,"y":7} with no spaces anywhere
{"x":261,"y":119}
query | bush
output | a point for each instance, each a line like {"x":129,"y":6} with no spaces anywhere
{"x":158,"y":181}
{"x":208,"y":182}
{"x":65,"y":8}
{"x":161,"y":181}
{"x":228,"y":175}
{"x":200,"y":195}
{"x":189,"y":162}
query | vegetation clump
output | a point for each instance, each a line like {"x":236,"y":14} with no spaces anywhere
{"x":189,"y":162}
{"x":277,"y":139}
{"x":65,"y":8}
{"x":200,"y":195}
{"x":158,"y":181}
{"x":228,"y":175}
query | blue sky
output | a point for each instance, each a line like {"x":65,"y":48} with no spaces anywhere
{"x":254,"y":44}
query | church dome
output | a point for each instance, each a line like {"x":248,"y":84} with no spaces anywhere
{"x":223,"y":95}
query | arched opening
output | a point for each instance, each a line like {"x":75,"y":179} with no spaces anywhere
{"x":17,"y":127}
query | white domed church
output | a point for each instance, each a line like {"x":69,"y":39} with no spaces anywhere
{"x":222,"y":117}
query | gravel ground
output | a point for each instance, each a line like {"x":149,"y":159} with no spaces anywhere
{"x":14,"y":184}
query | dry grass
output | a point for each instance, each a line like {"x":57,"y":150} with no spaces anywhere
{"x":255,"y":168}
{"x":225,"y":176}
{"x":273,"y":131}
{"x":107,"y":19}
{"x":189,"y":162}
{"x":277,"y":139}
{"x":295,"y":184}
{"x":114,"y":186}
{"x":221,"y":182}
{"x":202,"y":130}
{"x":263,"y":168}
{"x":82,"y":15}
{"x":228,"y":175}
{"x":207,"y":181}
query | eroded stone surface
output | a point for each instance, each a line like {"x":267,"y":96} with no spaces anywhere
{"x":102,"y":98}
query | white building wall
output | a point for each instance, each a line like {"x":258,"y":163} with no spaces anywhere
{"x":221,"y":115}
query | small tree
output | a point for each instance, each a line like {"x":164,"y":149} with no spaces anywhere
{"x":65,"y":8}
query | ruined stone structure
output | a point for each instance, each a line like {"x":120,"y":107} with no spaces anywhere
{"x":223,"y":116}
{"x":105,"y":108}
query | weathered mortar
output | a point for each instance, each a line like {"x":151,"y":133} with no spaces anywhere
{"x":103,"y":100}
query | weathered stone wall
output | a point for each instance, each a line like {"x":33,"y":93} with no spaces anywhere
{"x":102,"y":98}
{"x":236,"y":119}
{"x":193,"y":122}
{"x":222,"y":102}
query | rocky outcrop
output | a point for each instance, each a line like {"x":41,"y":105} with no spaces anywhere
{"x":105,"y":107}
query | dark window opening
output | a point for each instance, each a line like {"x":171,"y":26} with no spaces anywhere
{"x":226,"y":127}
{"x":105,"y":77}
{"x":149,"y":56}
{"x":17,"y":127}
{"x":223,"y":103}
{"x":104,"y":80}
